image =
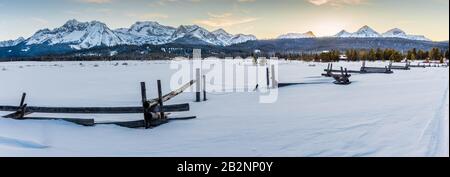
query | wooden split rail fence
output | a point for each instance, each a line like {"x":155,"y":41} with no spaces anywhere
{"x":154,"y":111}
{"x":341,"y":76}
{"x":429,"y":65}
{"x":364,"y":70}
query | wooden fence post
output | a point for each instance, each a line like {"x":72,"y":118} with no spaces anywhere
{"x":274,"y":80}
{"x":22,"y":110}
{"x":145,"y":105}
{"x":267,"y":78}
{"x":160,"y":101}
{"x":22,"y":100}
{"x":204,"y":88}
{"x":198,"y":85}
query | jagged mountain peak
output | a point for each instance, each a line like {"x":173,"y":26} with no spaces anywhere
{"x":10,"y":43}
{"x":395,"y":31}
{"x":308,"y":34}
{"x":398,"y":33}
{"x":150,"y":28}
{"x":189,"y":28}
{"x":78,"y":35}
{"x":365,"y":28}
{"x":363,"y":32}
{"x":71,"y":24}
{"x":343,"y":33}
{"x":367,"y":31}
{"x":147,"y":24}
{"x":145,"y":32}
{"x":221,"y":31}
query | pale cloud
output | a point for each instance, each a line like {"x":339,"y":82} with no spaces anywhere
{"x":336,"y":2}
{"x":40,"y":21}
{"x":89,"y":11}
{"x":165,"y":2}
{"x":147,"y":16}
{"x":96,"y":1}
{"x":246,"y":0}
{"x":224,"y":20}
{"x":224,"y":15}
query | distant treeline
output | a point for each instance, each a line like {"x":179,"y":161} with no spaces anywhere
{"x":135,"y":53}
{"x":434,"y":54}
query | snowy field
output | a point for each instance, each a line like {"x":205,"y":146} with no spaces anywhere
{"x":401,"y":114}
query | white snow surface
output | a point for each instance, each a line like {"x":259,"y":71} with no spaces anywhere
{"x":402,"y":114}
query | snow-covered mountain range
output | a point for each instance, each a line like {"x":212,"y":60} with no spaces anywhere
{"x":78,"y":35}
{"x":367,"y":32}
{"x":364,"y":32}
{"x":84,"y":35}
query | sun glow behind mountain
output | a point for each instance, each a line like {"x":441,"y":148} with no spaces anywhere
{"x":328,"y":27}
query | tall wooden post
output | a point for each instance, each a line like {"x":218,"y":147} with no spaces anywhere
{"x":274,"y":80}
{"x":22,"y":108}
{"x":198,"y":85}
{"x":145,"y":106}
{"x":204,"y":88}
{"x":267,"y":77}
{"x":160,"y":101}
{"x":22,"y":100}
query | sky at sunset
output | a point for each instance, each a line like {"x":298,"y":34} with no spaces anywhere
{"x":263,"y":18}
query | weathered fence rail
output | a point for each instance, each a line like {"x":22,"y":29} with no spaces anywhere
{"x":363,"y":70}
{"x":379,"y":70}
{"x":97,"y":110}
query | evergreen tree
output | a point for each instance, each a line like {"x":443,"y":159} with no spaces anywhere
{"x":409,"y":55}
{"x":372,"y":55}
{"x":434,"y":54}
{"x":379,"y":54}
{"x":420,"y":55}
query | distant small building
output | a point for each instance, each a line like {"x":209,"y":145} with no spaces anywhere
{"x":343,"y":57}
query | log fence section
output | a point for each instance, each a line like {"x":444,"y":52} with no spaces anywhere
{"x":154,"y":111}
